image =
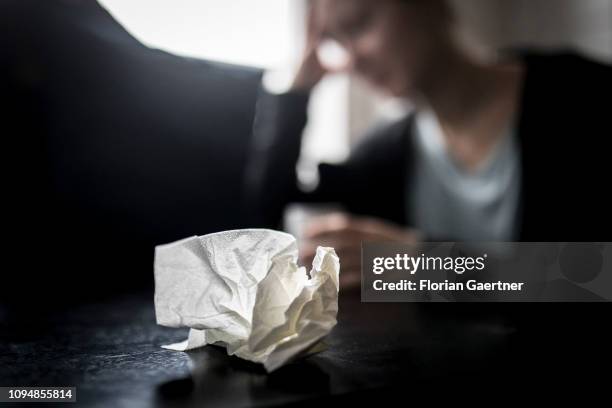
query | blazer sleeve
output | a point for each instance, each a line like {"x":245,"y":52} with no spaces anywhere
{"x":270,"y":179}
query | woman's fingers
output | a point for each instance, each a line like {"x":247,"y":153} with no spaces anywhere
{"x":344,"y":248}
{"x":346,"y":234}
{"x":350,"y":280}
{"x":310,"y":71}
{"x":326,"y":224}
{"x":340,"y":226}
{"x":350,"y":261}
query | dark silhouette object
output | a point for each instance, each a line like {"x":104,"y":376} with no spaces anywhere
{"x":110,"y":147}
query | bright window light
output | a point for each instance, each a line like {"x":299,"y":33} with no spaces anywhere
{"x":248,"y":32}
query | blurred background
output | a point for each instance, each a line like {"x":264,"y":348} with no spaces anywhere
{"x":269,"y":34}
{"x":127,"y":122}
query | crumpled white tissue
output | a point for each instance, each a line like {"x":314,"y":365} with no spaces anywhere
{"x":243,"y":289}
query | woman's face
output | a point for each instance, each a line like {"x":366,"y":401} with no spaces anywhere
{"x":392,"y":44}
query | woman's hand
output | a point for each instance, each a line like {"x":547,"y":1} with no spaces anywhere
{"x":310,"y":71}
{"x":345,"y":233}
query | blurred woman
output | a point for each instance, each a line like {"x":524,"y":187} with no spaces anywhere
{"x":498,"y":151}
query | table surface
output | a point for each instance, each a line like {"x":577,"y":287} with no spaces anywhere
{"x":111,"y":352}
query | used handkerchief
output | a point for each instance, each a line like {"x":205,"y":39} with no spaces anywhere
{"x":243,"y":289}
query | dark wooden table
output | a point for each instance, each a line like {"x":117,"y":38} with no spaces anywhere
{"x":378,"y":352}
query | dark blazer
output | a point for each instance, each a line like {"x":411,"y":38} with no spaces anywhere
{"x":563,"y":127}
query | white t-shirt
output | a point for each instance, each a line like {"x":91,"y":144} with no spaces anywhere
{"x":447,"y":202}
